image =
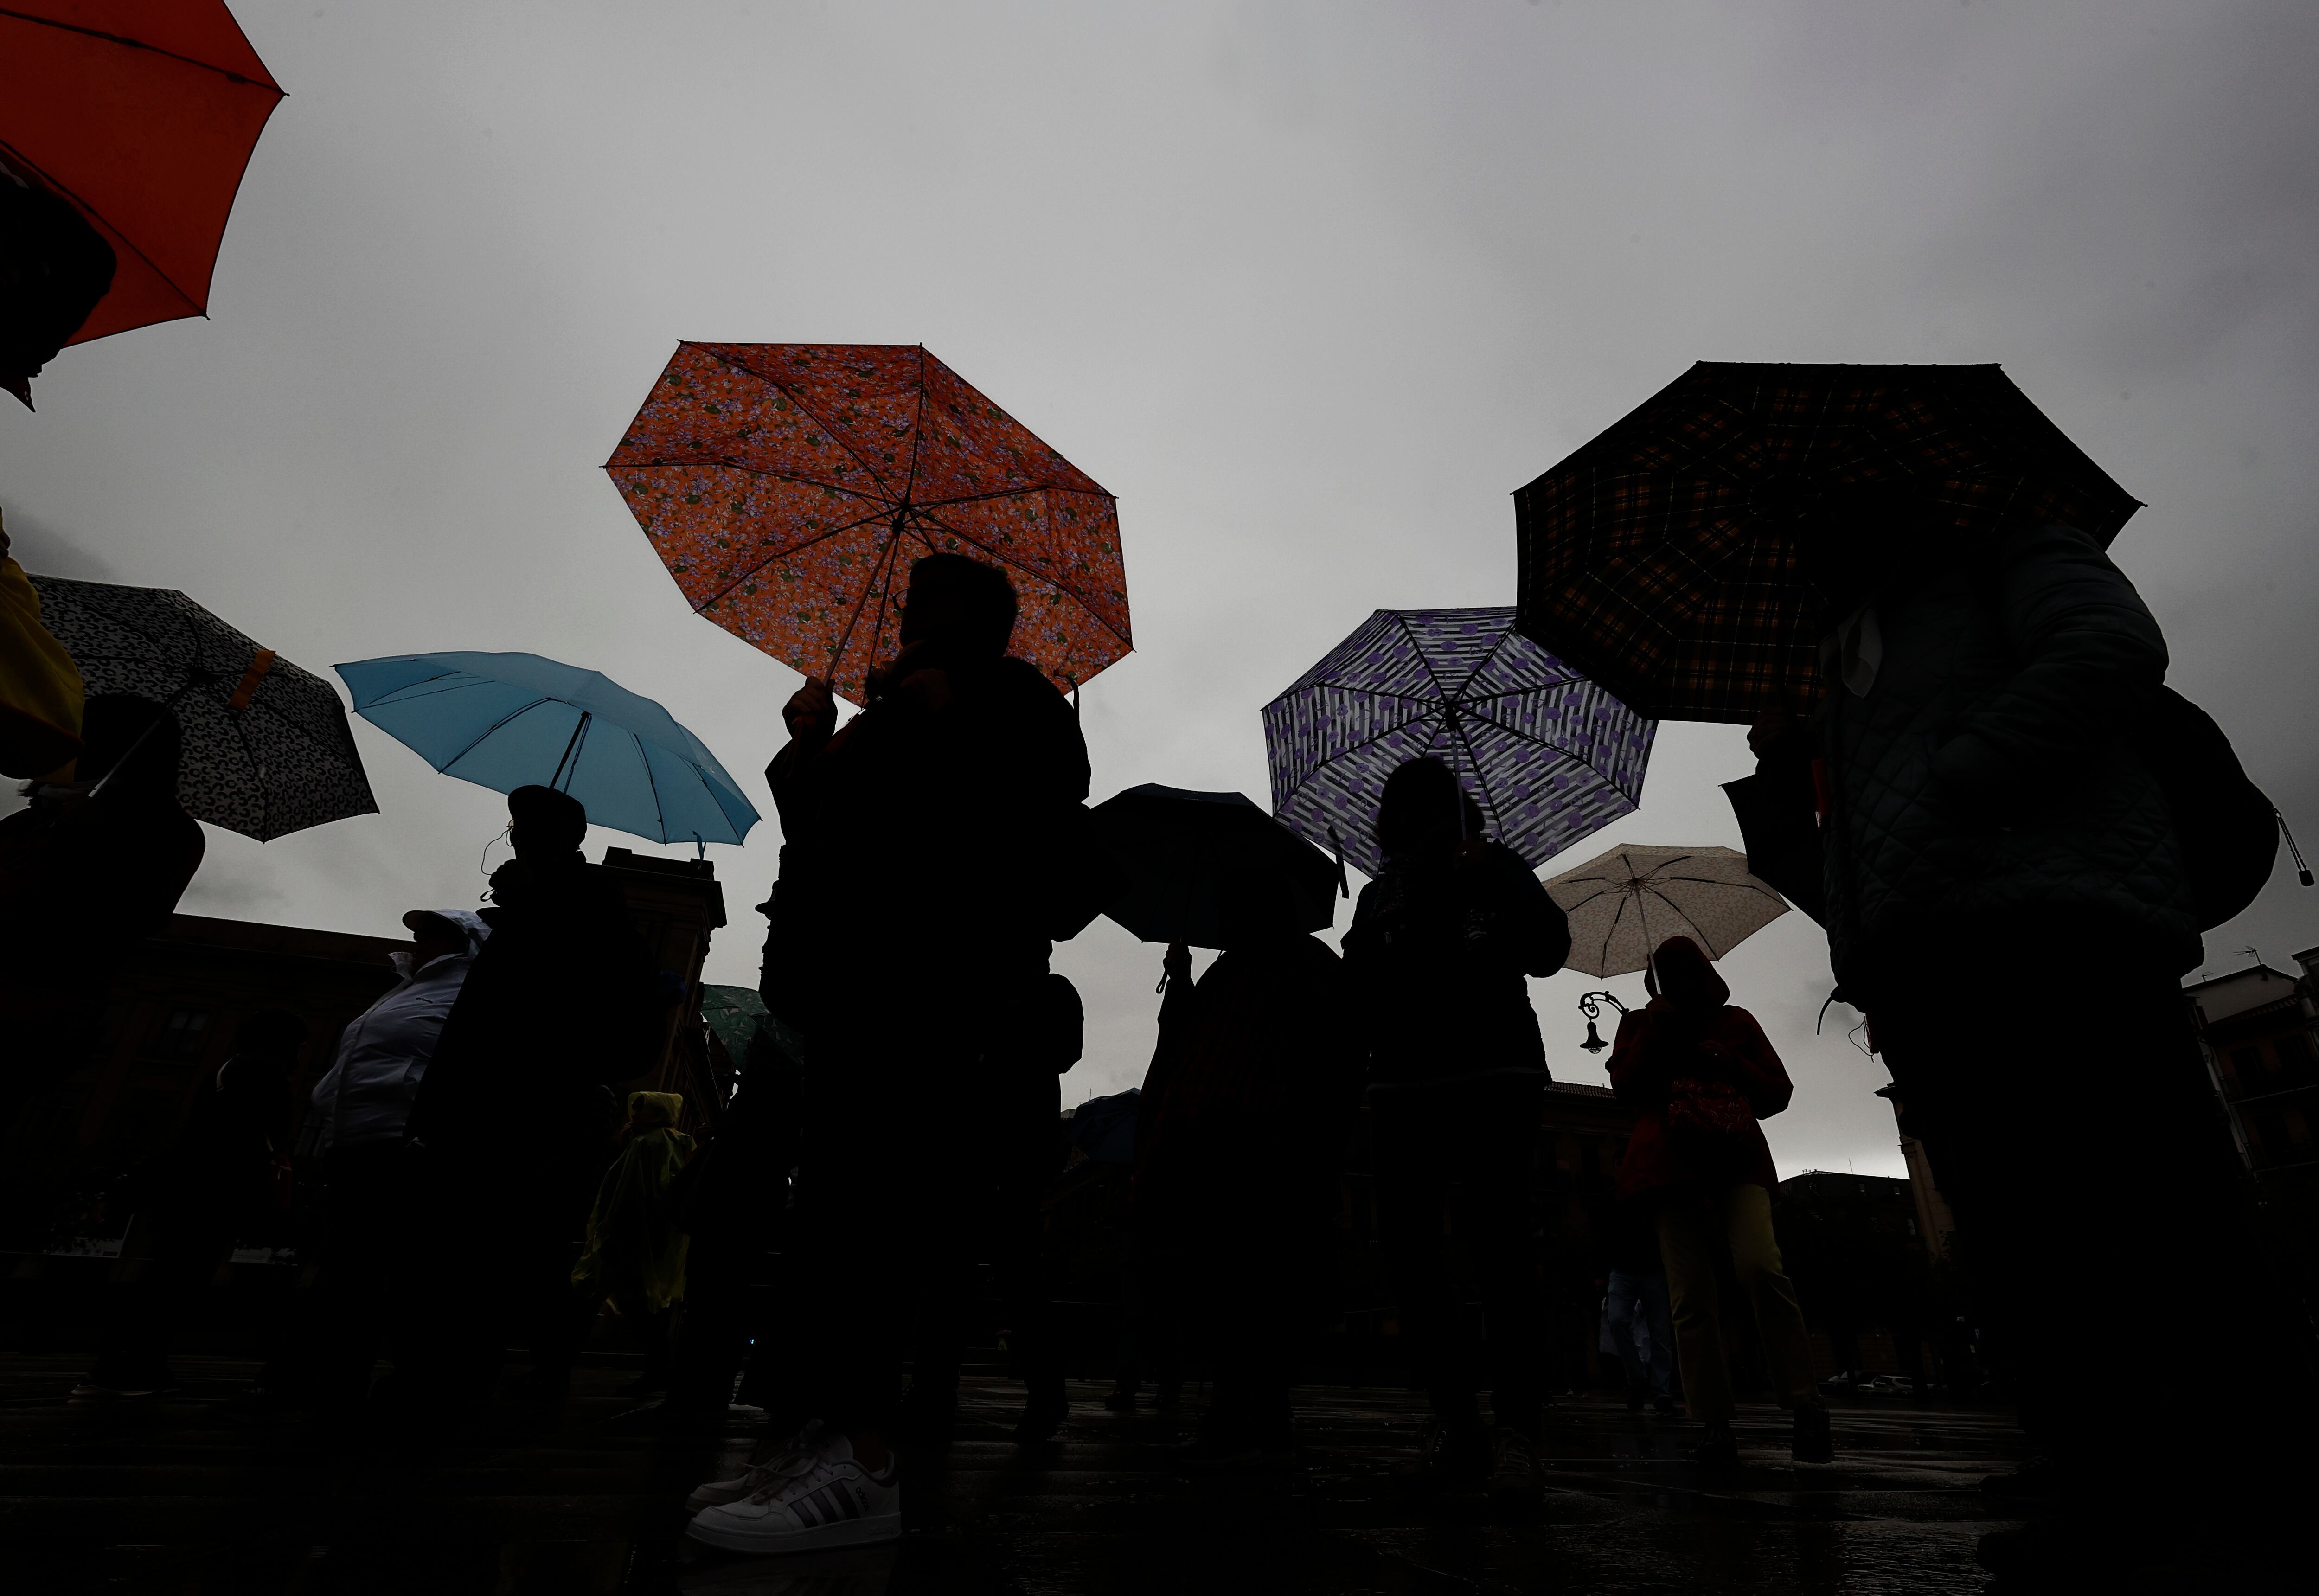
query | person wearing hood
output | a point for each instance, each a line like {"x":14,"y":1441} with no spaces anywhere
{"x":1439,"y":947}
{"x":634,"y":1259}
{"x":513,"y":1121}
{"x":1699,"y":1073}
{"x":360,"y":1108}
{"x":1240,"y":1146}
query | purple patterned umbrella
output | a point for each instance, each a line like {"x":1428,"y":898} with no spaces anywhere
{"x":1549,"y":756}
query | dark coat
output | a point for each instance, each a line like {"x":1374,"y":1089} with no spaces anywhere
{"x":81,"y":886}
{"x":921,"y":847}
{"x":1987,"y":776}
{"x":221,"y":1163}
{"x":1438,"y":952}
{"x":1259,"y":1061}
{"x":1690,"y":1030}
{"x":560,"y":1003}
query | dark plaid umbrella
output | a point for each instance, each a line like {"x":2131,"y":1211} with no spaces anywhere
{"x":267,"y":751}
{"x":1683,"y":559}
{"x":1179,"y":848}
{"x":1549,"y":755}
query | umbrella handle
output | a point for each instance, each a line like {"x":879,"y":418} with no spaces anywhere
{"x":1338,"y":844}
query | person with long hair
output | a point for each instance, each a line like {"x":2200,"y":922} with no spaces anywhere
{"x":1699,"y":1074}
{"x":1440,"y":949}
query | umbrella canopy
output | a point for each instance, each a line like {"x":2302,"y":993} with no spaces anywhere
{"x":142,"y":116}
{"x":787,"y":487}
{"x":1624,"y":903}
{"x":267,"y":751}
{"x":1549,"y":755}
{"x":511,"y":720}
{"x":1179,"y":848}
{"x":1671,"y":559}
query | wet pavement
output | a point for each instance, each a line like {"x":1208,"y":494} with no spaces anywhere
{"x":178,"y":1495}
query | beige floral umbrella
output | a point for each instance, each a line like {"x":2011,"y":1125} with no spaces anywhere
{"x":1623,"y":903}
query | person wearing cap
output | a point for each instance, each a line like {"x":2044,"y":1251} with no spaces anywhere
{"x":512,"y":1123}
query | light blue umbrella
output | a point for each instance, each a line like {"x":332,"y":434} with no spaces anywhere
{"x":511,"y":720}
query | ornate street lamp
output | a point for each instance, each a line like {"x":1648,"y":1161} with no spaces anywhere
{"x":1591,"y":1006}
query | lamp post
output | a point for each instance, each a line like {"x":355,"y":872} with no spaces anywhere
{"x":1591,"y":1006}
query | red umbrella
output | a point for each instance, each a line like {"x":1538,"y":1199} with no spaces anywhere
{"x":142,"y":114}
{"x":789,"y":486}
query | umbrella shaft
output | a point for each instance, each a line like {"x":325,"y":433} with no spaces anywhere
{"x":570,"y":762}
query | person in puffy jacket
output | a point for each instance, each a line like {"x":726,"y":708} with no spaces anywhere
{"x":1699,"y":1073}
{"x":2006,"y":896}
{"x":1439,"y":952}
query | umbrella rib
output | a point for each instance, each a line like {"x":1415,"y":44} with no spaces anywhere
{"x":652,"y":782}
{"x":792,"y":549}
{"x":1439,"y":694}
{"x":1499,"y":643}
{"x":831,"y":432}
{"x":17,"y":159}
{"x":1712,"y":881}
{"x":845,"y":638}
{"x":1456,"y":729}
{"x":1677,"y":910}
{"x":495,"y":726}
{"x":928,"y":518}
{"x":1352,"y":748}
{"x":918,"y":428}
{"x":227,"y":73}
{"x":1602,"y":956}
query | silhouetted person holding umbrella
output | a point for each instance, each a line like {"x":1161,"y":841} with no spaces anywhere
{"x":2012,"y":894}
{"x":920,"y":873}
{"x":1441,"y":946}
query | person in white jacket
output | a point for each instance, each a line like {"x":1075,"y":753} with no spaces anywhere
{"x":360,"y":1109}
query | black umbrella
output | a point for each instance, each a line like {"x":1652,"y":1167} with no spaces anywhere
{"x":267,"y":750}
{"x":1690,"y":558}
{"x":1179,"y":849}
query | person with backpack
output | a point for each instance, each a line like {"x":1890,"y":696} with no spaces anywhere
{"x":2022,"y":833}
{"x":1699,"y":1074}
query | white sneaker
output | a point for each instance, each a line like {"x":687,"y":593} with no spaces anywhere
{"x":834,"y":1501}
{"x":793,"y":1456}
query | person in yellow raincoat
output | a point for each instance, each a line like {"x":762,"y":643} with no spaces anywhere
{"x":39,"y":685}
{"x":635,"y":1254}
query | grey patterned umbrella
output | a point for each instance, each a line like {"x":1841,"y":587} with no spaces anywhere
{"x":267,"y":751}
{"x":1549,"y":755}
{"x":1623,"y":903}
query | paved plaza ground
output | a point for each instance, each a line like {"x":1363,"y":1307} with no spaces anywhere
{"x":179,"y":1495}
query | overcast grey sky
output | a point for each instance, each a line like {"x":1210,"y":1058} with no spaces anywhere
{"x":1312,"y":287}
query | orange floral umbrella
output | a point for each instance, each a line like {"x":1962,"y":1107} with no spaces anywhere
{"x":787,"y":487}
